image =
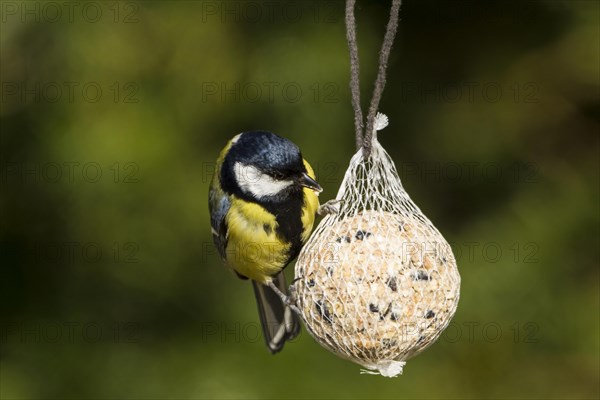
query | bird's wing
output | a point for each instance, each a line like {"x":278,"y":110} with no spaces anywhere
{"x":219,"y":205}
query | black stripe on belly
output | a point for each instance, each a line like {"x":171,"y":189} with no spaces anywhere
{"x":289,"y":219}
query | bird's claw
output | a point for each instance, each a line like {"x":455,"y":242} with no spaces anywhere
{"x":330,"y":207}
{"x":286,"y":300}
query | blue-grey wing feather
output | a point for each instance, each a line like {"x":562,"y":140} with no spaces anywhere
{"x":219,"y":205}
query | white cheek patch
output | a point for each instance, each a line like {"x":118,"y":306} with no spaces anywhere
{"x":254,"y":182}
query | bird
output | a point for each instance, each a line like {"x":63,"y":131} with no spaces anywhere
{"x":263,"y":198}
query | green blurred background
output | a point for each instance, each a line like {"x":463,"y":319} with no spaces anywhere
{"x":112,"y":114}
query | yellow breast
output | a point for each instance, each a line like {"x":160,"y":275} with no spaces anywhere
{"x":311,"y":201}
{"x":253,"y":248}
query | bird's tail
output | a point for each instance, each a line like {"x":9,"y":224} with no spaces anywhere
{"x":279,"y":322}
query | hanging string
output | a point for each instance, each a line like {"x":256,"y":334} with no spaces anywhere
{"x":354,"y":71}
{"x":384,"y":55}
{"x":364,"y":139}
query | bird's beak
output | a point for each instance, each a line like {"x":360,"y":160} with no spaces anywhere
{"x":309,"y":182}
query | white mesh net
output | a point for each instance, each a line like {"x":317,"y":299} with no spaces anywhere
{"x":376,"y":283}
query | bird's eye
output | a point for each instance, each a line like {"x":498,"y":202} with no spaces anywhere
{"x":279,"y":176}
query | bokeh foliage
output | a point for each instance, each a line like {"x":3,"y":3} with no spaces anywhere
{"x":494,"y":128}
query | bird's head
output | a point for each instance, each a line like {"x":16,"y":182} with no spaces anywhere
{"x":263,"y":166}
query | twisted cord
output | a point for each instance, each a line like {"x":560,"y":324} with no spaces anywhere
{"x":354,"y":71}
{"x":384,"y":55}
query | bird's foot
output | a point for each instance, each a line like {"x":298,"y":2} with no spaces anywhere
{"x":330,"y":207}
{"x":288,"y":301}
{"x":284,"y":298}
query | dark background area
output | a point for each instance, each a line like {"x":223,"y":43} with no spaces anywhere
{"x":113,"y":113}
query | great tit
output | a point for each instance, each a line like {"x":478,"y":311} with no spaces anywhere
{"x":262,"y":202}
